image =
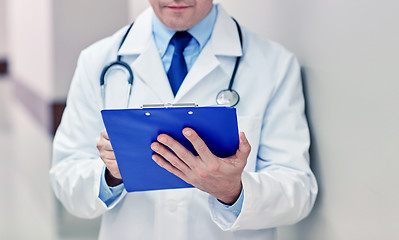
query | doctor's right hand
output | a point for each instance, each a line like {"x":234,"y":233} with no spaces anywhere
{"x":112,"y":174}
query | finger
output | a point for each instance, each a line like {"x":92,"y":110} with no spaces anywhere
{"x":104,"y":134}
{"x":107,"y":155}
{"x":104,"y":144}
{"x":170,"y":156}
{"x":107,"y":146}
{"x":169,"y":167}
{"x":113,"y":169}
{"x":244,"y":148}
{"x":111,"y":165}
{"x":185,"y":155}
{"x":198,"y":144}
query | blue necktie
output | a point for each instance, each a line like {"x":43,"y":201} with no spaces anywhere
{"x":178,"y":68}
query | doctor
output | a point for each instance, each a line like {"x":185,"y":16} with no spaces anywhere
{"x":266,"y":184}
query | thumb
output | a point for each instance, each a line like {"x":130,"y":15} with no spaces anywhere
{"x":244,"y":148}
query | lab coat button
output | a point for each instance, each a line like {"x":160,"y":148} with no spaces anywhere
{"x":172,"y":206}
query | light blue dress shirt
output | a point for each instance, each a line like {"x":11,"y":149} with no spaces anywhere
{"x":201,"y":34}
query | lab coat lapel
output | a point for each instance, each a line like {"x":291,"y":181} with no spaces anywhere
{"x":149,"y":68}
{"x":205,"y":63}
{"x":224,"y":42}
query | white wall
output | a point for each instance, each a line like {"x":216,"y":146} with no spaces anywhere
{"x":77,"y":24}
{"x":3,"y":51}
{"x":136,"y":7}
{"x":350,"y":55}
{"x":45,"y":37}
{"x":29,"y":43}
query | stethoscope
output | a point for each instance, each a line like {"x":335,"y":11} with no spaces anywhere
{"x":227,"y":97}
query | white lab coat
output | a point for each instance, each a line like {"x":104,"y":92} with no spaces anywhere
{"x":279,"y":187}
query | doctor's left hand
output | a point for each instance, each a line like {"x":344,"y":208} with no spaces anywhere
{"x":112,"y":174}
{"x":220,"y":177}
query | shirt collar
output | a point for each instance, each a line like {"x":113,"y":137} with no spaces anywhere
{"x":200,"y":32}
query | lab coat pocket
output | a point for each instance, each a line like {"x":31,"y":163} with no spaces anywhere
{"x":251,"y":126}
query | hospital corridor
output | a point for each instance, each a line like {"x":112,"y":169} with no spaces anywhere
{"x":348,"y":55}
{"x":27,"y":205}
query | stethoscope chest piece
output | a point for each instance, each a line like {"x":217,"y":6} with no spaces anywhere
{"x":228,"y":97}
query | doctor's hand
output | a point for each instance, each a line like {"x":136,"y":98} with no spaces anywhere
{"x":112,"y":174}
{"x":220,"y":177}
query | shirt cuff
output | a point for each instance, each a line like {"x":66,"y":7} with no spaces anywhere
{"x":226,"y":215}
{"x":109,"y":194}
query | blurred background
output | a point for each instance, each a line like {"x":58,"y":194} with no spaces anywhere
{"x":349,"y":54}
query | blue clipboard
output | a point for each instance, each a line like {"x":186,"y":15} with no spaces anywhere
{"x":131,"y":132}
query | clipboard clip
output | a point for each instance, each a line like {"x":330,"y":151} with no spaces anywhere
{"x":169,"y":105}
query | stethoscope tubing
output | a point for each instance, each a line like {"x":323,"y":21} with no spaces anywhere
{"x":238,"y":58}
